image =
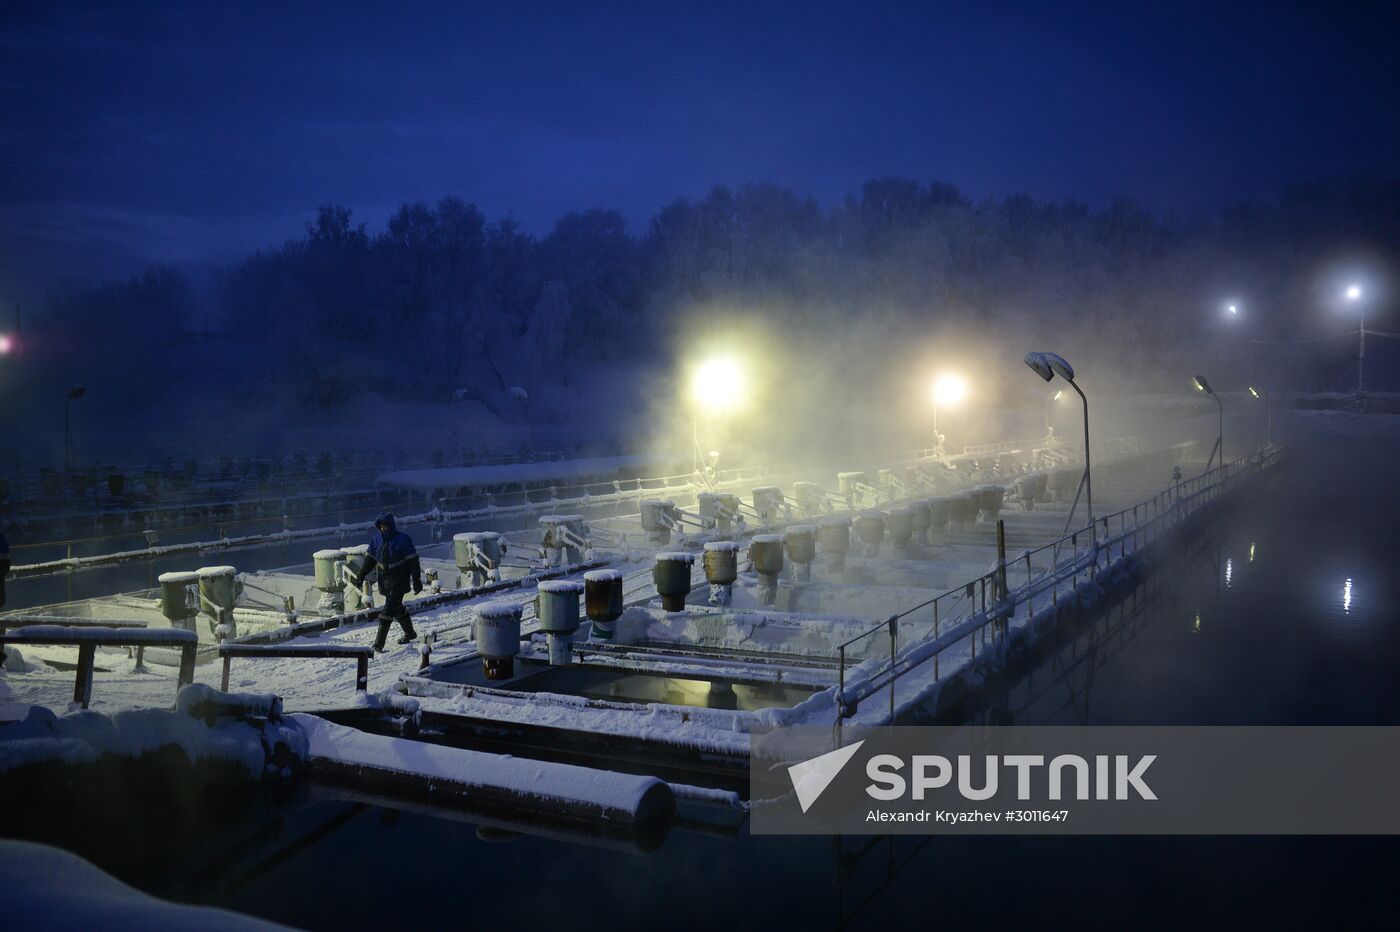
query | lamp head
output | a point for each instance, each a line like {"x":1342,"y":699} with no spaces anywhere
{"x":1201,"y":384}
{"x":1254,"y":392}
{"x":1040,"y":365}
{"x":1060,"y":366}
{"x":77,"y":391}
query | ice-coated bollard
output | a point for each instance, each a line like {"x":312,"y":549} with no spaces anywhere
{"x":870,"y":528}
{"x":671,"y":573}
{"x":766,"y":554}
{"x":559,"y":619}
{"x":800,"y":542}
{"x":602,"y":599}
{"x":497,"y":634}
{"x":721,"y":569}
{"x":834,"y":541}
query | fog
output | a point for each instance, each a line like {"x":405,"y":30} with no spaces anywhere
{"x":838,"y":317}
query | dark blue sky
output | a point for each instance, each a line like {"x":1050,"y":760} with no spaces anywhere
{"x":191,"y":134}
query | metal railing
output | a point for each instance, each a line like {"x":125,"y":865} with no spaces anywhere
{"x":981,"y":610}
{"x":490,"y":504}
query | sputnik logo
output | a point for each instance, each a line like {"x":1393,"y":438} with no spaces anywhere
{"x":811,"y":777}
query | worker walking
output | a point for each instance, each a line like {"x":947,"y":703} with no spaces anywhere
{"x":391,"y":551}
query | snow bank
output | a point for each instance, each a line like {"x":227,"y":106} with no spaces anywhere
{"x":46,"y":888}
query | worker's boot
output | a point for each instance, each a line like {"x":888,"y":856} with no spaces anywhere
{"x":408,"y":632}
{"x":382,"y":636}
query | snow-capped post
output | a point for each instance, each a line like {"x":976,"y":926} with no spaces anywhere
{"x":657,"y":519}
{"x":800,"y":542}
{"x":901,"y":529}
{"x":216,"y":584}
{"x":834,"y":540}
{"x":478,"y":557}
{"x":330,"y":581}
{"x":721,"y":569}
{"x":557,"y":609}
{"x":177,"y":599}
{"x":766,"y":554}
{"x":939,"y":513}
{"x":497,"y":634}
{"x":870,"y":528}
{"x":602,"y":598}
{"x":671,"y":574}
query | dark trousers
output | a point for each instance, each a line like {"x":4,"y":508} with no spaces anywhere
{"x":393,"y":610}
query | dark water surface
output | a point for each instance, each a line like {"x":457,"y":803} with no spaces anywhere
{"x":1283,"y":613}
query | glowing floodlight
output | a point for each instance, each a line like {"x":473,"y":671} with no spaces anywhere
{"x":1233,"y":309}
{"x":1254,"y":391}
{"x":1353,"y":292}
{"x":1201,"y":384}
{"x":948,"y":390}
{"x":718,"y":384}
{"x":7,"y":343}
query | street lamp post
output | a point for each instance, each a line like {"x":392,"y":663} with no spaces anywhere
{"x":1353,"y":294}
{"x":1256,"y":394}
{"x":1203,"y":386}
{"x":1047,"y":366}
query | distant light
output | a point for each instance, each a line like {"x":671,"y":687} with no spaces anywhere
{"x":7,"y":343}
{"x":1196,"y":625}
{"x":1353,"y":292}
{"x":718,"y":384}
{"x":1201,"y":384}
{"x":1346,"y":597}
{"x":1251,"y":551}
{"x":1234,"y":309}
{"x":1254,"y":391}
{"x":1058,"y":395}
{"x":948,"y":390}
{"x":1229,"y":571}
